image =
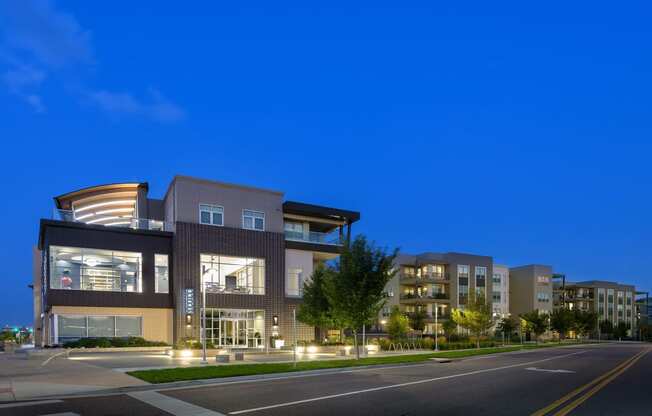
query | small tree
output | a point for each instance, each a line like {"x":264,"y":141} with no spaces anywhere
{"x":537,"y":323}
{"x":606,"y":327}
{"x":316,"y":309}
{"x":476,"y":317}
{"x":620,"y":330}
{"x":397,"y":324}
{"x":418,"y":320}
{"x":449,"y":327}
{"x":561,"y":321}
{"x":507,"y":326}
{"x":356,"y":290}
{"x":584,"y":322}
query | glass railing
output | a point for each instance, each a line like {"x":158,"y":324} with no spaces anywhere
{"x":234,"y":289}
{"x":314,"y":237}
{"x":135,"y":223}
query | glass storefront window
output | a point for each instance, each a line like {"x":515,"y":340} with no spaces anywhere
{"x":161,"y":271}
{"x":73,"y":268}
{"x":128,"y":326}
{"x":73,"y":327}
{"x":239,"y":275}
{"x":101,"y":326}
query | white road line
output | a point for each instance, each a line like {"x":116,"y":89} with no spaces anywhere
{"x":62,"y":414}
{"x":171,"y":405}
{"x":393,"y":386}
{"x":46,"y":362}
{"x":22,"y":404}
{"x":545,"y":370}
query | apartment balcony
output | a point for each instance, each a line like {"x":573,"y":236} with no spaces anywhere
{"x":410,"y":298}
{"x":411,"y":279}
{"x":110,"y":219}
{"x":314,"y":237}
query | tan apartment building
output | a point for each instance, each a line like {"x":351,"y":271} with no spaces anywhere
{"x":435,"y":283}
{"x":530,"y":288}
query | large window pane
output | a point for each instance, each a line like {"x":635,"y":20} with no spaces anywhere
{"x":72,"y":326}
{"x":128,"y":326}
{"x":101,"y":326}
{"x":227,"y":274}
{"x":73,"y":268}
{"x":161,"y":273}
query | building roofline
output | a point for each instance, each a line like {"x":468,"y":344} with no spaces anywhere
{"x":214,"y":182}
{"x":320,"y":211}
{"x":57,"y":199}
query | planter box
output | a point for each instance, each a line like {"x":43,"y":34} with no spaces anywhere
{"x":211,"y":352}
{"x":118,"y":349}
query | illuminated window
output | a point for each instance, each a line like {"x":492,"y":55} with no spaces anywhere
{"x":227,"y":274}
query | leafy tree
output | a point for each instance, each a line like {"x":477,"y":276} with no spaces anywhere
{"x":561,"y":321}
{"x":397,"y":324}
{"x":536,"y":323}
{"x":449,"y":327}
{"x":356,"y":290}
{"x":507,"y":326}
{"x":316,"y":309}
{"x":476,"y":317}
{"x":418,"y":320}
{"x":584,"y":322}
{"x":620,"y":330}
{"x":606,"y":327}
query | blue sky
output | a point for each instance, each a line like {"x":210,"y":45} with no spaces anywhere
{"x":516,"y":130}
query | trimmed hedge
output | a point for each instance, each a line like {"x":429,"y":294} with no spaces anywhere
{"x":113,"y":343}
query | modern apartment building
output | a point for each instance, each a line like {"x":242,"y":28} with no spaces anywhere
{"x":530,"y":288}
{"x":612,"y":301}
{"x":437,"y":282}
{"x":500,"y":291}
{"x":119,"y":263}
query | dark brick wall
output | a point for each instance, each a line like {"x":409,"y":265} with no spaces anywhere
{"x":191,"y":240}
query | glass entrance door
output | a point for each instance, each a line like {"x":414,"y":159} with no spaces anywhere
{"x":235,"y":328}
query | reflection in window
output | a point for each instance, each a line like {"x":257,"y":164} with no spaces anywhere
{"x":73,"y":327}
{"x":73,"y":268}
{"x":295,"y":282}
{"x":226,"y":274}
{"x":253,"y":220}
{"x":161,"y":271}
{"x":211,"y":214}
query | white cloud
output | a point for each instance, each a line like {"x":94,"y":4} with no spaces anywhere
{"x":38,"y":41}
{"x":157,"y":107}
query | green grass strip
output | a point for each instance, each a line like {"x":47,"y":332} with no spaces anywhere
{"x":221,"y":371}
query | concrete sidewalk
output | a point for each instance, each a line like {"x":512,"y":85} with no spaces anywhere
{"x":51,"y":374}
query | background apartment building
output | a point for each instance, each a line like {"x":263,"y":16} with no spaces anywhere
{"x":118,"y":263}
{"x":530,"y":288}
{"x":432,"y":282}
{"x":500,"y":291}
{"x":611,"y":301}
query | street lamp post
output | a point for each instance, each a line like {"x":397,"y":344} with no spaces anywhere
{"x":202,"y":334}
{"x":436,"y":327}
{"x":294,"y":324}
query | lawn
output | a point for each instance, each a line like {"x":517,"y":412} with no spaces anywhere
{"x":220,"y":371}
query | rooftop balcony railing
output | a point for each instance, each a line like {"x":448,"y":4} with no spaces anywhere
{"x":314,"y":237}
{"x":124,"y":222}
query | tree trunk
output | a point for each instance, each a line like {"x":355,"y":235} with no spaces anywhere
{"x":355,"y":344}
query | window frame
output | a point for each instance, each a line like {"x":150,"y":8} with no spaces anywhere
{"x":156,"y":285}
{"x":253,"y":219}
{"x":211,"y":214}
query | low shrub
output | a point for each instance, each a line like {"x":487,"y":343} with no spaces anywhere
{"x":192,"y":344}
{"x":113,"y":343}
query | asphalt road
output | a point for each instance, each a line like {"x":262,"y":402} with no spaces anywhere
{"x":594,"y":380}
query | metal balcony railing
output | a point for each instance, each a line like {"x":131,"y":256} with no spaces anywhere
{"x":314,"y":237}
{"x":108,"y":221}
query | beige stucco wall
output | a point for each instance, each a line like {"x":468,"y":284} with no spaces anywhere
{"x":187,"y":193}
{"x":157,"y":322}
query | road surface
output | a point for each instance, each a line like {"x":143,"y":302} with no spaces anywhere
{"x":607,"y":379}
